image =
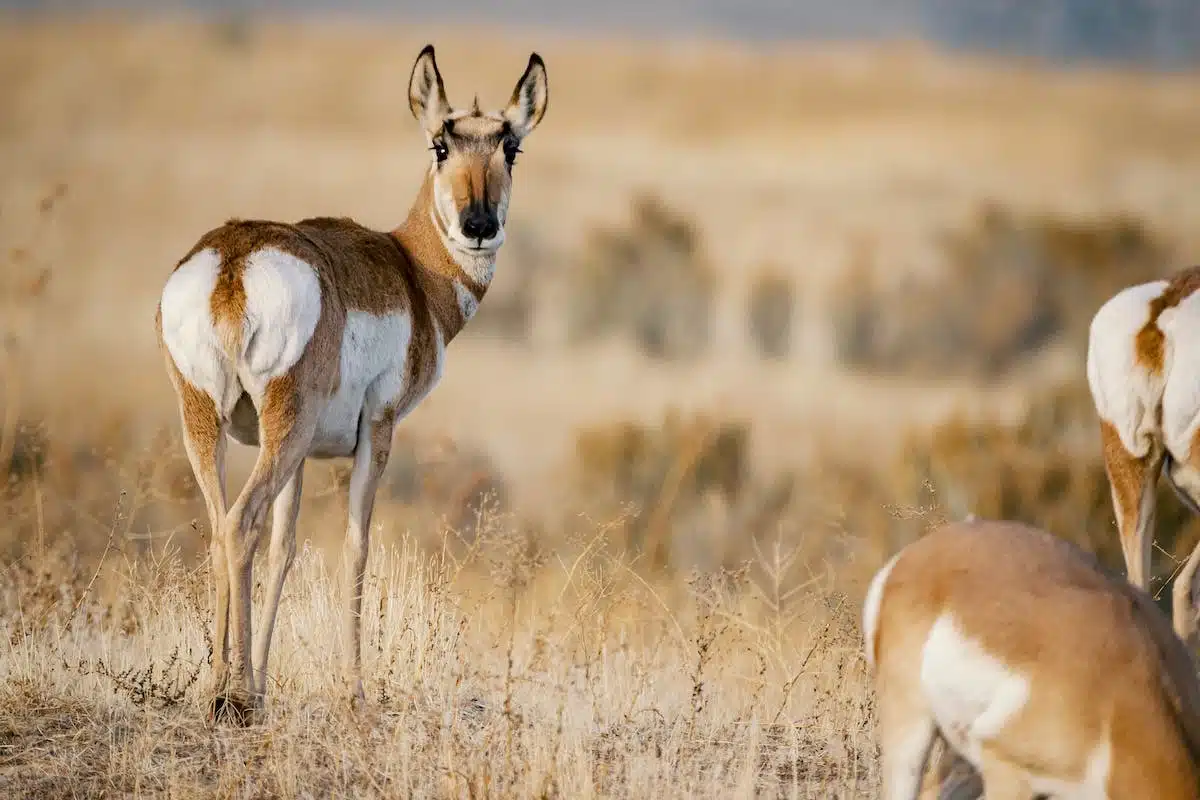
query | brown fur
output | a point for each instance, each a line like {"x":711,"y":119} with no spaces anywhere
{"x":1099,"y":654}
{"x":1150,"y":347}
{"x":1130,"y":479}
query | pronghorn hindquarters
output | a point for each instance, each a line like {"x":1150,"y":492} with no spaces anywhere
{"x":1145,"y":382}
{"x":1050,"y":676}
{"x":313,"y":339}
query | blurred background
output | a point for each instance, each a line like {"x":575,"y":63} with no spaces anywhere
{"x":793,"y":270}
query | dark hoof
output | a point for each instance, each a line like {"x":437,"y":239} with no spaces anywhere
{"x":232,"y":709}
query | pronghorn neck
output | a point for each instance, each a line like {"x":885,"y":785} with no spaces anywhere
{"x":424,"y":236}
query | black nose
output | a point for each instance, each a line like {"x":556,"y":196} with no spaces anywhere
{"x":479,"y":223}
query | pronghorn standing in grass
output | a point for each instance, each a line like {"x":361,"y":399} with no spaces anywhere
{"x":1145,"y":383}
{"x":1050,"y":676}
{"x":315,"y":339}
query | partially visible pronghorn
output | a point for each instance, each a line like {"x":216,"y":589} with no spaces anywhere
{"x":1049,"y":675}
{"x":315,"y":339}
{"x":1145,"y":381}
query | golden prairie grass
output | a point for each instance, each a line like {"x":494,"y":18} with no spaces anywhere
{"x":491,"y":673}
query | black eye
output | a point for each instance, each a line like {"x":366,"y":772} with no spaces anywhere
{"x":511,"y":148}
{"x":440,"y":150}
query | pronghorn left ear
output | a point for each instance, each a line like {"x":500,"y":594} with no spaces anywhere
{"x":427,"y":93}
{"x":528,"y":103}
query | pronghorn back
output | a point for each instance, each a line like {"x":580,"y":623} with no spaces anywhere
{"x":1044,"y":671}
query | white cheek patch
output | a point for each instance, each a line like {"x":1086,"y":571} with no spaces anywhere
{"x":481,"y":265}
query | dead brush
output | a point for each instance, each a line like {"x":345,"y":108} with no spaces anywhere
{"x":770,"y":309}
{"x":1010,"y":286}
{"x":1044,"y":467}
{"x":647,"y":281}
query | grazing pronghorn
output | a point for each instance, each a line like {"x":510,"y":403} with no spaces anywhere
{"x":1145,"y":383}
{"x":315,"y":339}
{"x":1049,"y":675}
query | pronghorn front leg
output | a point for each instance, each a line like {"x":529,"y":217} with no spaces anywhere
{"x":1133,"y":481}
{"x":370,"y":458}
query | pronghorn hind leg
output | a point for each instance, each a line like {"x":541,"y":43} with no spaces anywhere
{"x":906,"y":735}
{"x":204,"y":442}
{"x":955,"y":778}
{"x":1133,"y":482}
{"x":287,"y":421}
{"x":370,"y":458}
{"x":1185,"y":480}
{"x":280,"y":555}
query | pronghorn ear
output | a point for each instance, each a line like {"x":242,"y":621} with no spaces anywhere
{"x":426,"y":92}
{"x":528,"y":103}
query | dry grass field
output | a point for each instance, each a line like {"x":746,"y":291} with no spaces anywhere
{"x":763,"y":317}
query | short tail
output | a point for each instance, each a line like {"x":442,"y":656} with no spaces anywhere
{"x":228,"y":303}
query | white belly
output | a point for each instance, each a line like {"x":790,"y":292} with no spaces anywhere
{"x":372,"y":375}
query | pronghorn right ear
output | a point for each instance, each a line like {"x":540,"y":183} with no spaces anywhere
{"x":426,"y":92}
{"x":528,"y":104}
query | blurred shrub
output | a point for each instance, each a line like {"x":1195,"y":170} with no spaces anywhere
{"x":1011,"y":285}
{"x":453,"y":482}
{"x":648,"y":281}
{"x":661,"y":471}
{"x":1045,"y":469}
{"x":769,"y":314}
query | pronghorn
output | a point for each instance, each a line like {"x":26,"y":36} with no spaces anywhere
{"x":315,"y":339}
{"x":1147,"y":394}
{"x":1049,"y":675}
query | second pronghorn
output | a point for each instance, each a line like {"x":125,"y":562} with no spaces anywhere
{"x":1049,"y":675}
{"x":1145,"y":382}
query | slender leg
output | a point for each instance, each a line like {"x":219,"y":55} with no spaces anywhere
{"x":1133,"y":482}
{"x":906,"y":733}
{"x":370,"y":457}
{"x":286,"y":426}
{"x":1185,"y":479}
{"x":204,"y":441}
{"x":282,"y":552}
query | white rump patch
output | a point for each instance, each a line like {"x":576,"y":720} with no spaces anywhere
{"x":1181,"y":395}
{"x":973,"y":694}
{"x":871,"y":606}
{"x":187,"y":326}
{"x":283,"y":304}
{"x":1125,"y":393}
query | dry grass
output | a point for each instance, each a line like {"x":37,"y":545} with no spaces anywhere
{"x":495,"y":674}
{"x":679,"y":621}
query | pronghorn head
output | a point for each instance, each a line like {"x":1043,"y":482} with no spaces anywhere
{"x":473,"y":154}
